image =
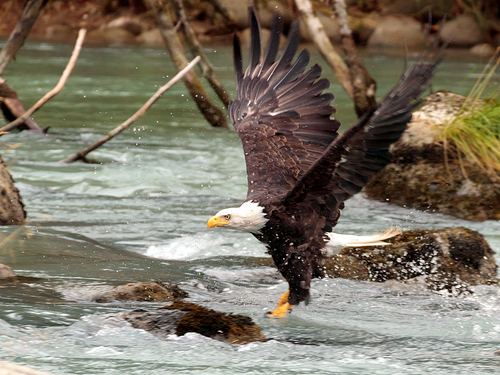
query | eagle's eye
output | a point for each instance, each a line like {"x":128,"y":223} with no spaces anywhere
{"x":243,"y":115}
{"x":227,"y":217}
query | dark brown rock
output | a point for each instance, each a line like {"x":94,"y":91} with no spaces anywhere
{"x":183,"y":317}
{"x":449,"y":259}
{"x":148,"y":291}
{"x":419,"y":177}
{"x":11,"y":206}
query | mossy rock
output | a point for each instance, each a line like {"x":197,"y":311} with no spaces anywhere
{"x":148,"y":291}
{"x":183,"y":317}
{"x":449,"y":259}
{"x":425,"y":175}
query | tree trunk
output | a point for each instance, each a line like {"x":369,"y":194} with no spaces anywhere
{"x":318,"y":34}
{"x":363,"y":85}
{"x":196,"y":49}
{"x":18,"y":36}
{"x":164,"y":21}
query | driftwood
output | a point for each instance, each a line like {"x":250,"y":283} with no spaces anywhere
{"x":18,"y":36}
{"x":196,"y":49}
{"x":54,"y":91}
{"x":12,"y":108}
{"x":318,"y":34}
{"x":82,"y":154}
{"x":164,"y":22}
{"x":363,"y":85}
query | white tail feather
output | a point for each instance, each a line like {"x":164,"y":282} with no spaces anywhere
{"x":338,"y":241}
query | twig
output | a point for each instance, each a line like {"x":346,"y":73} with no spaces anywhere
{"x":55,"y":90}
{"x":82,"y":154}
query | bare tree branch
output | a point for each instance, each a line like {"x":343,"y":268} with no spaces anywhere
{"x":164,"y":22}
{"x":18,"y":36}
{"x":363,"y":85}
{"x":55,"y":90}
{"x":196,"y":48}
{"x":82,"y":154}
{"x":318,"y":34}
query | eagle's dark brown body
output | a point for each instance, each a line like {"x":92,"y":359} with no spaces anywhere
{"x":300,"y":170}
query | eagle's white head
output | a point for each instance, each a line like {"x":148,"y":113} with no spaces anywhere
{"x":249,"y":217}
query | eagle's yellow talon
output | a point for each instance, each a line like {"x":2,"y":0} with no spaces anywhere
{"x":283,"y":307}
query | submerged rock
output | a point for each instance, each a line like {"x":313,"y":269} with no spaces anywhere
{"x":445,"y":259}
{"x":148,"y":291}
{"x":6,"y":272}
{"x":419,"y":177}
{"x":183,"y":317}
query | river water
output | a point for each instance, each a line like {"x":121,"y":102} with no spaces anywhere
{"x":140,"y":214}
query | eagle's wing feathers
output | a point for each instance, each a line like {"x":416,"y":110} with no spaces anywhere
{"x":281,"y":113}
{"x":354,"y":157}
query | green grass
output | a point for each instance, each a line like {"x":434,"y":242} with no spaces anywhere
{"x":475,"y":132}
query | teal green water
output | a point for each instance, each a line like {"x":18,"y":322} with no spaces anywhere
{"x":151,"y":194}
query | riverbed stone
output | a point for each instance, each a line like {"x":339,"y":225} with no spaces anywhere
{"x":395,"y":32}
{"x":448,"y":259}
{"x":426,"y":175}
{"x":463,"y":31}
{"x":483,"y":49}
{"x":147,"y":291}
{"x":6,"y":272}
{"x":183,"y":317}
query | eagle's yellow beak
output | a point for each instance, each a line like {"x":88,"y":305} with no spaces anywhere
{"x":215,"y":221}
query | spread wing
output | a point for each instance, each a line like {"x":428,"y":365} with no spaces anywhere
{"x":281,"y":113}
{"x":360,"y":152}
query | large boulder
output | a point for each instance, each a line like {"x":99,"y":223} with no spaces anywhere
{"x":426,"y":176}
{"x":450,"y":259}
{"x":183,"y":317}
{"x":148,"y":291}
{"x":463,"y":31}
{"x":395,"y":32}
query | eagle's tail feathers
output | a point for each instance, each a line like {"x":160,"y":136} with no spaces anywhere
{"x":339,"y":241}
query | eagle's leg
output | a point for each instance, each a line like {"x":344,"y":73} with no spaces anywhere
{"x":283,"y":307}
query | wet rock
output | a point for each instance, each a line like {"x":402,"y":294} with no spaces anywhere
{"x":148,"y":291}
{"x":6,"y":272}
{"x":183,"y":317}
{"x":396,"y":32}
{"x":11,"y":206}
{"x":464,"y":31}
{"x":450,"y":259}
{"x":418,"y":176}
{"x":483,"y":49}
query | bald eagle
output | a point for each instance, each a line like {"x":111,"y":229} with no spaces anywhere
{"x":300,"y":169}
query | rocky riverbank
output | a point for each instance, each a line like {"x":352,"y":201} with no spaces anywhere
{"x":389,"y":24}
